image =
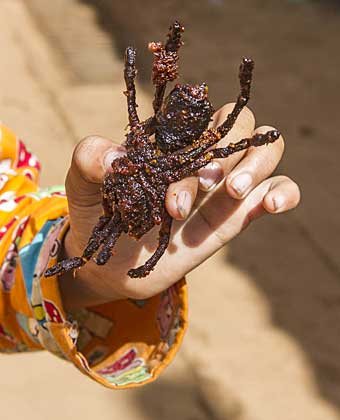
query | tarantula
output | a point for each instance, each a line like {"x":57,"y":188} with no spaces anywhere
{"x":169,"y":146}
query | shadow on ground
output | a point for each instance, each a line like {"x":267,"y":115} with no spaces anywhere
{"x":293,"y":259}
{"x":181,"y":399}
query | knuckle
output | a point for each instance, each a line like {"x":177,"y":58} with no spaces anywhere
{"x":290,"y":189}
{"x":279,"y":144}
{"x":225,"y":110}
{"x":290,"y":185}
{"x":248,"y":117}
{"x":282,"y":179}
{"x":93,"y":138}
{"x":265,"y":128}
{"x":89,"y":142}
{"x":86,"y":159}
{"x":84,"y":147}
{"x":189,"y":184}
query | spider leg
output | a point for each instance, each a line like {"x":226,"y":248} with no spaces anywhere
{"x":165,"y":67}
{"x":129,"y":76}
{"x":223,"y":152}
{"x":163,"y":242}
{"x":106,"y":251}
{"x":179,"y":158}
{"x":174,"y":42}
{"x":96,"y":237}
{"x":255,"y":141}
{"x":63,"y":266}
{"x":245,"y":76}
{"x":211,"y":136}
{"x":150,"y":190}
{"x":101,"y":230}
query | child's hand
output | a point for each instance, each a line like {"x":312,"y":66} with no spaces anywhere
{"x":246,"y":193}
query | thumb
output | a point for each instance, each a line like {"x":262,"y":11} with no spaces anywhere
{"x":91,"y":159}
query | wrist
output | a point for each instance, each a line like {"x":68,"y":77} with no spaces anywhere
{"x":83,"y":287}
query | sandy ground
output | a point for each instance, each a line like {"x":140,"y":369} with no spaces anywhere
{"x":264,"y":339}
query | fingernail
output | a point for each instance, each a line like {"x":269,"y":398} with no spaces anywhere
{"x":241,"y":183}
{"x":110,"y":156}
{"x":184,"y":202}
{"x":210,"y":175}
{"x":278,"y":202}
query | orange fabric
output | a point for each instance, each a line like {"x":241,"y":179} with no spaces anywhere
{"x":121,"y":344}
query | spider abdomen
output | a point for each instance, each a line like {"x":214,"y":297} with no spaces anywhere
{"x":184,"y":116}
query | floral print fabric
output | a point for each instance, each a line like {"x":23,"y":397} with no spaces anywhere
{"x":120,"y":344}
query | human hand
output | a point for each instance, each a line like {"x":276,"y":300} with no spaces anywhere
{"x":226,"y":196}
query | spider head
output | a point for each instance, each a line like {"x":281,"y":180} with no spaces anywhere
{"x":184,"y":116}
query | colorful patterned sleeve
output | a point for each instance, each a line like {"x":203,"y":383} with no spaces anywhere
{"x":121,"y":344}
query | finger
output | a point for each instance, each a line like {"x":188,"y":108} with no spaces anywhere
{"x":274,"y":195}
{"x":186,"y":189}
{"x":91,"y":158}
{"x":257,"y":165}
{"x":225,"y":217}
{"x":180,"y":197}
{"x":216,"y":222}
{"x":282,"y":196}
{"x":214,"y":172}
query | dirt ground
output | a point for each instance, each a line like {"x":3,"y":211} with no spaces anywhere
{"x":294,"y":260}
{"x":264,"y":336}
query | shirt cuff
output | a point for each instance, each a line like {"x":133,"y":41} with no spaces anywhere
{"x":123,"y":344}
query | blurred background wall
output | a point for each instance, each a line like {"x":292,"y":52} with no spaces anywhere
{"x":264,"y":335}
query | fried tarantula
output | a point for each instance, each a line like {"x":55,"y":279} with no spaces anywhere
{"x":169,"y":146}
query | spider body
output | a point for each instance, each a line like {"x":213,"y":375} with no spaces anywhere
{"x":184,"y":116}
{"x":169,"y":146}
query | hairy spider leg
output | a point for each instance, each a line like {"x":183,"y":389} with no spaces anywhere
{"x":96,"y":237}
{"x":63,"y":266}
{"x":174,"y":41}
{"x":179,"y":158}
{"x":103,"y":229}
{"x":256,"y":141}
{"x":100,"y":232}
{"x":165,"y":67}
{"x":245,"y":76}
{"x":156,"y":208}
{"x":77,"y":262}
{"x":163,"y":242}
{"x":223,"y":152}
{"x":105,"y":253}
{"x":130,"y":73}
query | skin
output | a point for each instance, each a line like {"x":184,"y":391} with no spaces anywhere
{"x":226,"y":196}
